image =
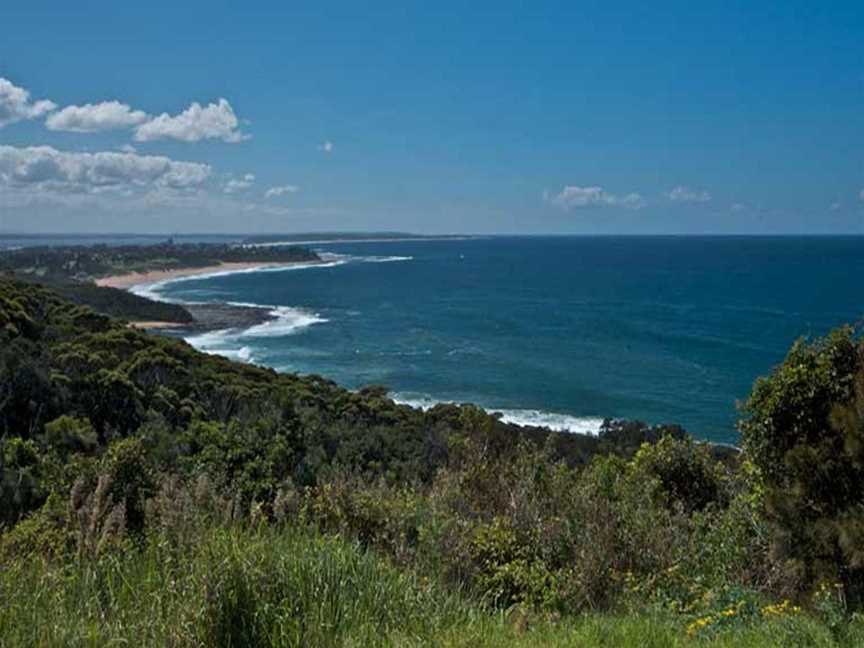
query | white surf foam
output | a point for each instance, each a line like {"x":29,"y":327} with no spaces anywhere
{"x":328,"y":260}
{"x":287,"y":320}
{"x":223,"y":343}
{"x":243,"y":354}
{"x":230,"y":342}
{"x":341,"y":259}
{"x":528,"y":417}
{"x":384,"y":259}
{"x":152,"y":290}
{"x":559,"y":422}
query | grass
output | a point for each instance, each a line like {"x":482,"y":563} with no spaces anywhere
{"x":290,"y":587}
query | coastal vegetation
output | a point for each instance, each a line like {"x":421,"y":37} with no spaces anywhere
{"x":155,"y":494}
{"x":119,"y":303}
{"x":71,"y":270}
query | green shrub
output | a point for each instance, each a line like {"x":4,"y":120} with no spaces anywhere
{"x":688,"y":475}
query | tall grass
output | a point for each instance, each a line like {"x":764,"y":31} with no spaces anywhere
{"x":289,"y":587}
{"x":234,"y":588}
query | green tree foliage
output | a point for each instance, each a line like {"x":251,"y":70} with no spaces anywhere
{"x":803,"y":432}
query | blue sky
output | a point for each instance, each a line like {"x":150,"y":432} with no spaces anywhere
{"x":508,"y":117}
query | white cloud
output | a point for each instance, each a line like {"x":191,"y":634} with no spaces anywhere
{"x":685,"y":195}
{"x":326,"y":146}
{"x":273,"y":192}
{"x":93,"y":118}
{"x":835,"y":206}
{"x":239,"y":184}
{"x":196,"y":123}
{"x":861,"y":195}
{"x":738,"y":207}
{"x":15,"y":104}
{"x":572,"y":197}
{"x":45,"y":169}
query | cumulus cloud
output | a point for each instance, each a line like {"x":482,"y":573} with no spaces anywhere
{"x":273,"y":192}
{"x":93,"y":118}
{"x":45,"y":169}
{"x":326,"y":146}
{"x":239,"y":184}
{"x":196,"y":123}
{"x":685,"y":195}
{"x":15,"y":104}
{"x":572,"y":197}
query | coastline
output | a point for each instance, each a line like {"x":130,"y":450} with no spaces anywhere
{"x":132,"y":279}
{"x":207,"y":317}
{"x":231,"y":318}
{"x":216,"y":320}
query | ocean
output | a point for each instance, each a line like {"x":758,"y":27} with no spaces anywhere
{"x":556,"y":331}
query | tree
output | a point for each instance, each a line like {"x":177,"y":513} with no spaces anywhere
{"x":804,"y":432}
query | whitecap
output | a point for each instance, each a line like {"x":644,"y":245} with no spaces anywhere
{"x":589,"y":425}
{"x":384,"y":259}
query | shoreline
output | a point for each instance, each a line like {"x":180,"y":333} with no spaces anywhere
{"x":207,"y":317}
{"x":214,"y":317}
{"x":132,"y":279}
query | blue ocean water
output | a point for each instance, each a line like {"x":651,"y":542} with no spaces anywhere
{"x":557,"y":330}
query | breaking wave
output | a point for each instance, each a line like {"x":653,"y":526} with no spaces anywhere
{"x":526,"y":417}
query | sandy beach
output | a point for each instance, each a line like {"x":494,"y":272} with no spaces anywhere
{"x":155,"y":324}
{"x":154,"y":276}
